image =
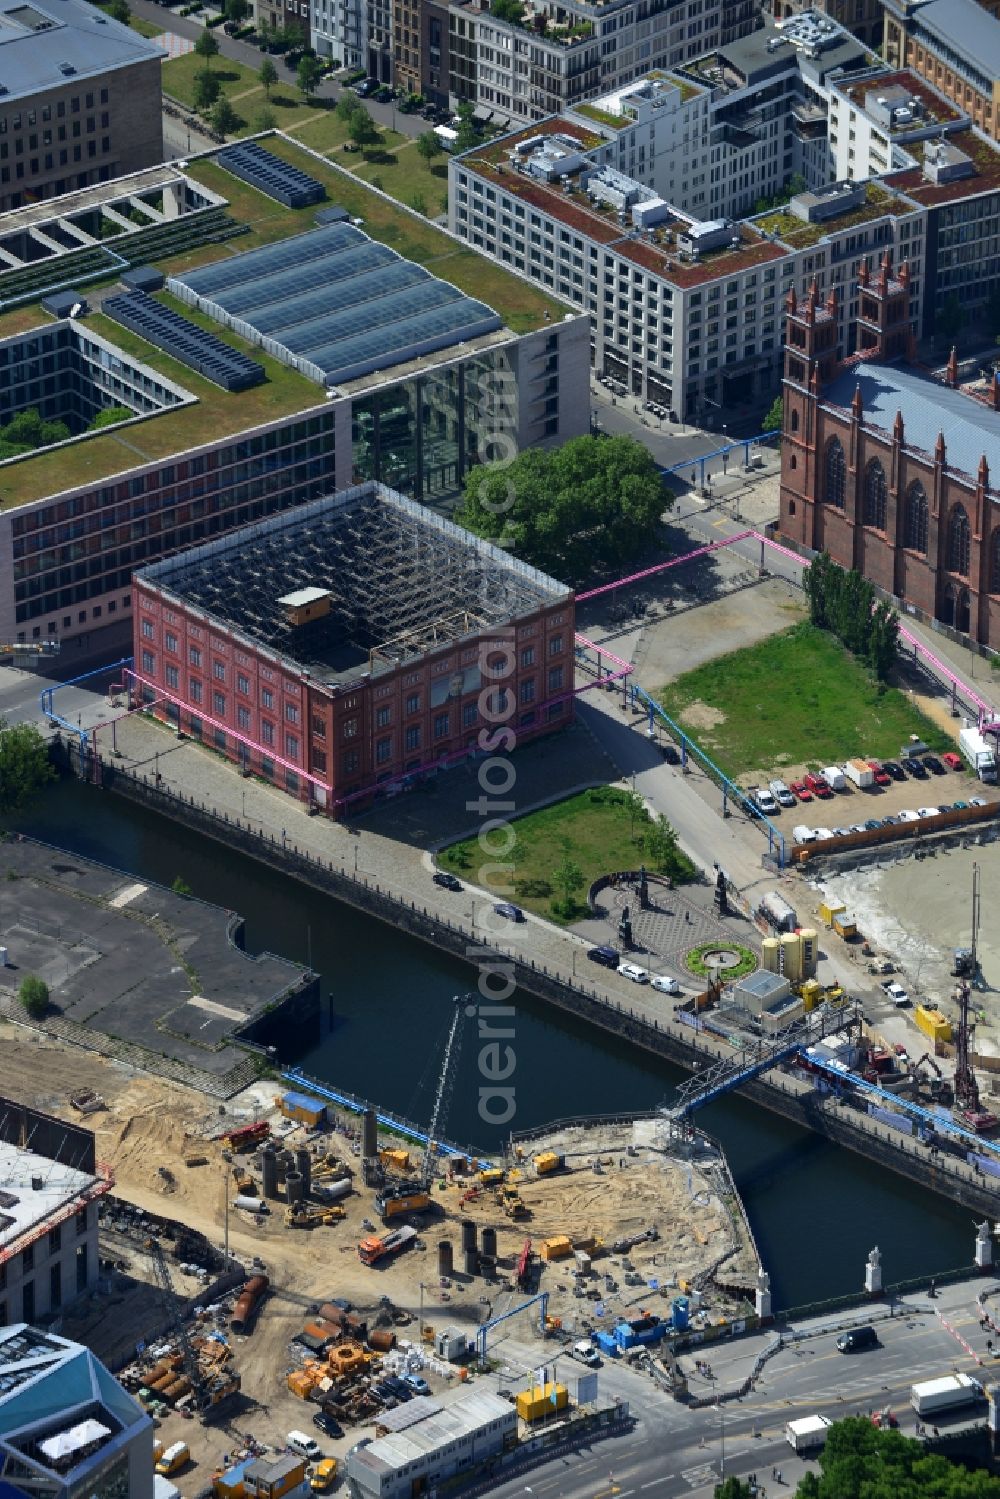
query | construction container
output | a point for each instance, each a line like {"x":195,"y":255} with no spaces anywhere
{"x":488,"y":1242}
{"x":811,"y":992}
{"x":491,"y":1177}
{"x":451,"y":1343}
{"x":446,"y":1263}
{"x":295,"y":1189}
{"x":382,"y":1339}
{"x":470,"y":1258}
{"x":369,"y":1133}
{"x":933,"y":1023}
{"x":301,"y":1383}
{"x":828,"y":909}
{"x":548,"y":1161}
{"x":810,"y":951}
{"x":541,"y":1400}
{"x":468,"y":1234}
{"x":269,"y":1171}
{"x":303,"y":1109}
{"x":791,"y":957}
{"x":680,"y":1313}
{"x":845,"y":924}
{"x":303,"y":1165}
{"x":557,"y":1248}
{"x":582,"y":1259}
{"x":769,"y":950}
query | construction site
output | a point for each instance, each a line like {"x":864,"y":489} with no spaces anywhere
{"x":284,"y":1259}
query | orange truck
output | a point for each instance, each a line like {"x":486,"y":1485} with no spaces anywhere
{"x":378,"y":1246}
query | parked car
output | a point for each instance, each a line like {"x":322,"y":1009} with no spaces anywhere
{"x":934,"y":765}
{"x":327,"y":1425}
{"x":959,"y":806}
{"x":856,"y":1339}
{"x":953,"y":761}
{"x":896,"y":771}
{"x":634,"y":972}
{"x":818,"y":785}
{"x":907,"y":815}
{"x":978,"y":801}
{"x":399,"y":1388}
{"x":417,"y":1384}
{"x":781,"y":793}
{"x":763,"y":801}
{"x":820,"y":834}
{"x":928,"y":811}
{"x":803,"y":834}
{"x":872,"y":824}
{"x":841,"y":832}
{"x":508,"y":911}
{"x":665,"y":984}
{"x":915,"y":768}
{"x":878,"y":770}
{"x":446,"y":881}
{"x":608,"y":957}
{"x":945,"y":807}
{"x":366,"y":88}
{"x":896,"y":993}
{"x":801,"y":790}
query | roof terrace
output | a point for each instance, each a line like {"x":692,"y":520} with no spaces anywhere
{"x":983,"y":178}
{"x":898,"y":89}
{"x":801,"y":233}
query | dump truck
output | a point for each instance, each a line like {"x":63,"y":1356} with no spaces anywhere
{"x":947,"y":1393}
{"x":977,"y":753}
{"x":378,"y":1247}
{"x":808,"y":1433}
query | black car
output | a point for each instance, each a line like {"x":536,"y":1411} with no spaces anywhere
{"x":367,"y":88}
{"x":915,"y":768}
{"x":446,"y":881}
{"x":872,"y":824}
{"x":896,"y":771}
{"x":856,"y":1339}
{"x":607,"y":956}
{"x":327,"y":1425}
{"x":934,"y":765}
{"x":509,"y":911}
{"x":670,"y":754}
{"x":401,"y":1390}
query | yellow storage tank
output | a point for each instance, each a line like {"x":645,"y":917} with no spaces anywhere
{"x":791,"y":956}
{"x":811,"y":991}
{"x":932,"y":1023}
{"x":845,"y":924}
{"x":537,"y":1402}
{"x":810,"y":951}
{"x":769,"y":950}
{"x":829,"y":908}
{"x":557,"y":1248}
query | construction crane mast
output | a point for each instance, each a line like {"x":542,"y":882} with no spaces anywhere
{"x":445,"y":1085}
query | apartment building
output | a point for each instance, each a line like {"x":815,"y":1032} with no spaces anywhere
{"x":685,"y":308}
{"x":953,"y":44}
{"x":879,"y":120}
{"x":79,"y":100}
{"x":862,"y":18}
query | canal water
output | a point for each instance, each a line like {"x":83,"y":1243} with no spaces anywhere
{"x":816,"y":1210}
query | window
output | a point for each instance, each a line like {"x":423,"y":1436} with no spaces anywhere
{"x":915,"y":518}
{"x":170,"y":643}
{"x":875,"y":495}
{"x":995,"y":561}
{"x":795,"y":421}
{"x":470,"y":714}
{"x":836,"y":473}
{"x":441,"y":725}
{"x":351,"y":762}
{"x":219,"y":670}
{"x":413,"y":737}
{"x":528,"y":656}
{"x":292,"y":746}
{"x":350,"y":728}
{"x":266,"y":731}
{"x":291,"y":713}
{"x":556,"y":645}
{"x":383,"y":717}
{"x":172,"y":677}
{"x":148,"y":662}
{"x":319,"y":726}
{"x":383,"y":750}
{"x":243,"y":685}
{"x":147,"y":629}
{"x":959,"y":541}
{"x":528,"y":690}
{"x":319,"y":760}
{"x":194,"y":689}
{"x":243,"y":718}
{"x":267,"y":698}
{"x":413,"y":703}
{"x":219,"y":703}
{"x":555,"y":678}
{"x":194,"y":655}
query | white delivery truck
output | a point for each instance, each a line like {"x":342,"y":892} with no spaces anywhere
{"x":808,"y":1433}
{"x":947,"y":1393}
{"x":977,"y":754}
{"x":861,"y":773}
{"x":834,"y":777}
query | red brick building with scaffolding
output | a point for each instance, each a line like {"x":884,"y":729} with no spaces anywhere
{"x":887,"y":467}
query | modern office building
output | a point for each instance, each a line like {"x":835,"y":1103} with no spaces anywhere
{"x":423,"y":1444}
{"x":67,"y":1428}
{"x":48,"y":1213}
{"x":429,"y":381}
{"x":685,"y":309}
{"x":889,"y":469}
{"x":953,"y":44}
{"x":862,"y":18}
{"x":879,"y":120}
{"x":79,"y":99}
{"x":352,"y":643}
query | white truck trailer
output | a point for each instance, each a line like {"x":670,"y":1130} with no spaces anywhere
{"x":947,"y":1393}
{"x":808,"y":1433}
{"x":861,"y":773}
{"x":977,"y":753}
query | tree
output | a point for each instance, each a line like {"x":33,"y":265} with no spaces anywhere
{"x":207,"y":46}
{"x":224,"y":118}
{"x":268,"y":76}
{"x":844,"y":603}
{"x":265,"y":119}
{"x":118,"y":10}
{"x":567,"y":877}
{"x":308,"y":76}
{"x":361,"y":128}
{"x":508,"y":10}
{"x":237,"y":11}
{"x":949,"y":320}
{"x":34,"y":995}
{"x":429,"y":145}
{"x":180,"y":886}
{"x":207,"y":89}
{"x":418,"y":203}
{"x":732,"y":1488}
{"x":775,"y":416}
{"x":659,"y":844}
{"x":24,"y":766}
{"x":860,"y":1461}
{"x":347,"y":107}
{"x":466,"y":134}
{"x":595,"y":498}
{"x":109,"y":416}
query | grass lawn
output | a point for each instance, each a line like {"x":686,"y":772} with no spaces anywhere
{"x":795,"y":699}
{"x":179,"y":75}
{"x":596,"y":828}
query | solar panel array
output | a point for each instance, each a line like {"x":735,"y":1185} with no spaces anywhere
{"x":269,"y":174}
{"x":335,"y":304}
{"x":183,"y":340}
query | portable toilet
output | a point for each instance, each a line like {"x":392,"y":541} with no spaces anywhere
{"x":769,"y":949}
{"x":680,"y":1313}
{"x":810,"y":951}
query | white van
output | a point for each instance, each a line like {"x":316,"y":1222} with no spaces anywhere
{"x":303,"y":1446}
{"x":803,"y":834}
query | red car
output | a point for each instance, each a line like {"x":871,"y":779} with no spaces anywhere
{"x":801,"y":790}
{"x":953,"y":761}
{"x":882,"y":777}
{"x":819,"y":786}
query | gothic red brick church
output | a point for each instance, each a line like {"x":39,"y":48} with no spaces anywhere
{"x":886,"y":467}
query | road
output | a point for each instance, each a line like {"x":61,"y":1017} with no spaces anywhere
{"x":675,"y":1451}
